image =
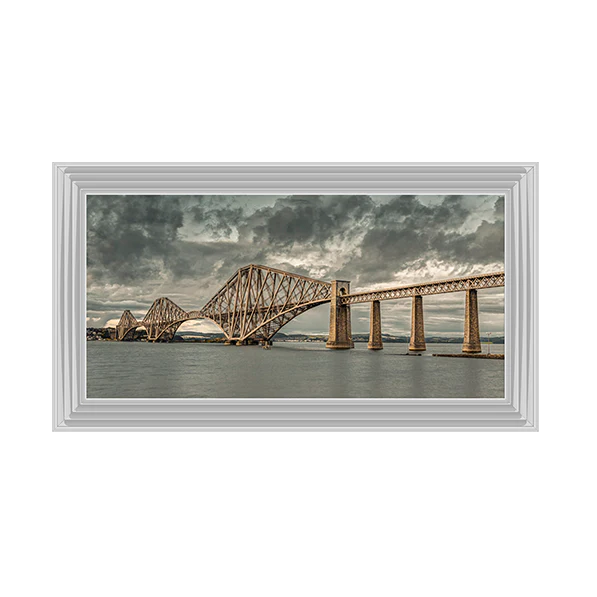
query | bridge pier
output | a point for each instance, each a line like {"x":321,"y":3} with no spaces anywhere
{"x":417,"y":326}
{"x":375,"y":342}
{"x":472,"y":340}
{"x":340,"y":328}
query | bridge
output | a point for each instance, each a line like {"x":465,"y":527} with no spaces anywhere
{"x":257,"y":301}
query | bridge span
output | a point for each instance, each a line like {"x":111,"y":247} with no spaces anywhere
{"x":257,"y":301}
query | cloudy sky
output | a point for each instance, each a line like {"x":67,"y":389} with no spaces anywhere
{"x":185,"y":247}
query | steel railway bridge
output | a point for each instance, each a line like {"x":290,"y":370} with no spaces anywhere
{"x":257,"y":301}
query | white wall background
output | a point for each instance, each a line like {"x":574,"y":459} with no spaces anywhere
{"x":178,"y":514}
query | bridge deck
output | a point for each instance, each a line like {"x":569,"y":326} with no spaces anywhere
{"x":493,"y":280}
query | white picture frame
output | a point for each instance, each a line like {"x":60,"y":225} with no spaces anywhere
{"x":73,"y":411}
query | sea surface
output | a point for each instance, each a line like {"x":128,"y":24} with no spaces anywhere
{"x":288,"y":370}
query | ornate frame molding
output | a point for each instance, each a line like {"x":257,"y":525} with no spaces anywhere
{"x":73,"y":411}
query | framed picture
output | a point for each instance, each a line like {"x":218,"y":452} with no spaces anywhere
{"x":295,"y":296}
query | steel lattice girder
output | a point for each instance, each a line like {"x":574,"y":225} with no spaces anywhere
{"x":127,"y":323}
{"x":257,"y":301}
{"x":164,"y":315}
{"x":493,"y":280}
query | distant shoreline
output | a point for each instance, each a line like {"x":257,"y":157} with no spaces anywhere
{"x":109,"y":335}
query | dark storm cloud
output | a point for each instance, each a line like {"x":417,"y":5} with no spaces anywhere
{"x":499,"y":209}
{"x":217,"y":219}
{"x":131,"y":237}
{"x":309,"y":219}
{"x":486,"y":244}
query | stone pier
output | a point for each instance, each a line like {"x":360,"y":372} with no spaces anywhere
{"x":417,"y":327}
{"x":375,"y":342}
{"x":472,"y":341}
{"x":340,"y":329}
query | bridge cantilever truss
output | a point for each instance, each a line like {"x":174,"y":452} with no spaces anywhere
{"x":254,"y":303}
{"x":257,"y":301}
{"x":127,"y":325}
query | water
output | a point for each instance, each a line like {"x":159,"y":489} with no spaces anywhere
{"x":288,"y":370}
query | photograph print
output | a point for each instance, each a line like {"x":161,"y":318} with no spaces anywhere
{"x":295,"y":296}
